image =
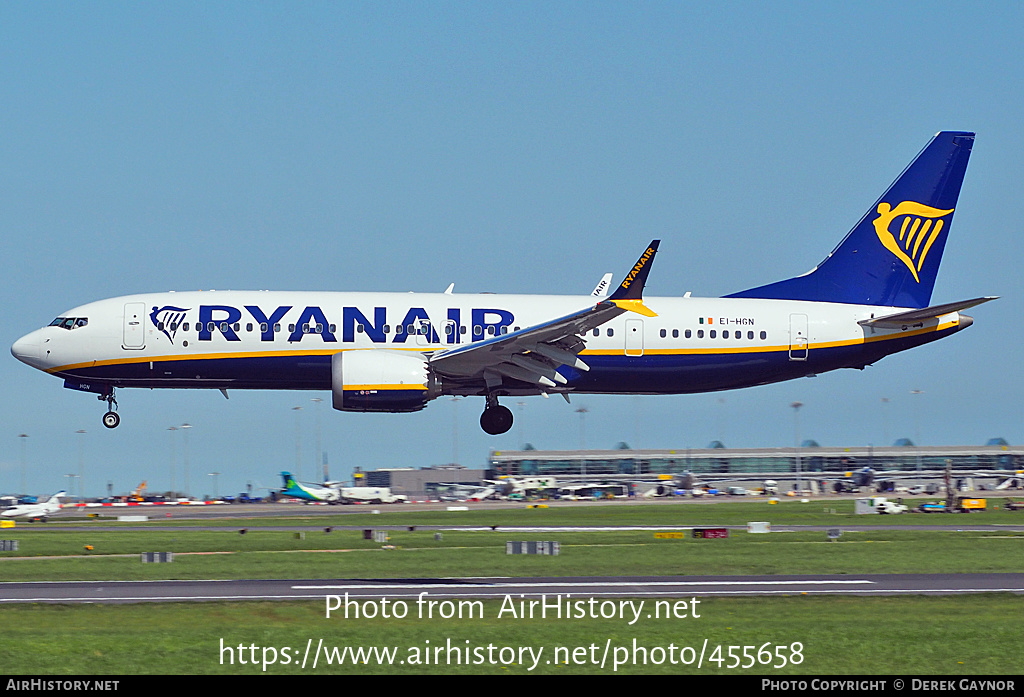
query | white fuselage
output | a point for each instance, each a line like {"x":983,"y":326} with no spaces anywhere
{"x":284,"y":340}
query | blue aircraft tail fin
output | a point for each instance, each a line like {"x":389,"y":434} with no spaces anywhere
{"x":891,"y":257}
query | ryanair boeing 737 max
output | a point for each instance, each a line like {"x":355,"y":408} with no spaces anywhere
{"x":394,"y":352}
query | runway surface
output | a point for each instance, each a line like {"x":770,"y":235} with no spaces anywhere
{"x":439,"y":588}
{"x":483,"y":588}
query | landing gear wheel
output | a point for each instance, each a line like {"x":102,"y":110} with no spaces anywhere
{"x":496,"y":420}
{"x":110,"y":419}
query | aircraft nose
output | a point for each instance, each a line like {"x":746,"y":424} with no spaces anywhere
{"x":26,"y":349}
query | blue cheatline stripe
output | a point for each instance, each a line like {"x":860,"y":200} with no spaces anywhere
{"x":677,"y":372}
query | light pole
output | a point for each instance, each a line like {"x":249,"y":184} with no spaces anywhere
{"x":522,"y":424}
{"x":796,"y":435}
{"x":71,"y":484}
{"x":917,"y":427}
{"x":319,"y":452}
{"x":81,"y":467}
{"x":174,"y":456}
{"x":885,"y":422}
{"x":582,"y":411}
{"x":24,"y":440}
{"x":298,"y":445}
{"x":721,"y":420}
{"x":184,"y":434}
{"x":455,"y":429}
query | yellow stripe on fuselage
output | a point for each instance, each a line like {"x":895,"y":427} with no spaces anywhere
{"x":426,"y":349}
{"x":381,"y":388}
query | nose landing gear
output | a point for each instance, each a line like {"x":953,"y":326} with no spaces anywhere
{"x":111,"y":418}
{"x":496,"y":419}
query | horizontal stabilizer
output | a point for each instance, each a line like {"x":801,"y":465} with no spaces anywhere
{"x":901,"y":318}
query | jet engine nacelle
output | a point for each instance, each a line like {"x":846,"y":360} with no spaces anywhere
{"x":382,"y":380}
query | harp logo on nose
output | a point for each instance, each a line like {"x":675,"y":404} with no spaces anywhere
{"x":918,"y":229}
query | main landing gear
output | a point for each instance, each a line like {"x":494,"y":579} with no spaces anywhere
{"x":111,"y":418}
{"x":496,"y":419}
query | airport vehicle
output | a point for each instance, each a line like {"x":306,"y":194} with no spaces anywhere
{"x":395,"y":352}
{"x":963,"y":504}
{"x":879,"y":504}
{"x":966,"y":504}
{"x":137,"y":492}
{"x":578,"y":492}
{"x":36,"y":511}
{"x":885,"y":506}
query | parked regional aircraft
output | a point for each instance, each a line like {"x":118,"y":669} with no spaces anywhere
{"x":309,"y":492}
{"x":395,"y":352}
{"x":36,"y":510}
{"x":334,"y":492}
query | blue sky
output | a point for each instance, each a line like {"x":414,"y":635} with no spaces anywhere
{"x":506,"y":147}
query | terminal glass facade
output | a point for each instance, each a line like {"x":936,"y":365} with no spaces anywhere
{"x":779,"y":461}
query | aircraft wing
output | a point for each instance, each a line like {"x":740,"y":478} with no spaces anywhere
{"x":534,"y":354}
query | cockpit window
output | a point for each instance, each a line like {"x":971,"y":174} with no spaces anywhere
{"x":69,"y":322}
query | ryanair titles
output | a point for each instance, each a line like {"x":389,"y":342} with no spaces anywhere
{"x":312,"y":323}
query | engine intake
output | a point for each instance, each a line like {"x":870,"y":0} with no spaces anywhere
{"x":382,"y":380}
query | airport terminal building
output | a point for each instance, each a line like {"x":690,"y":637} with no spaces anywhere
{"x":716,"y":461}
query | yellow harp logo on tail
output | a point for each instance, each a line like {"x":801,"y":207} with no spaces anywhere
{"x":920,"y":228}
